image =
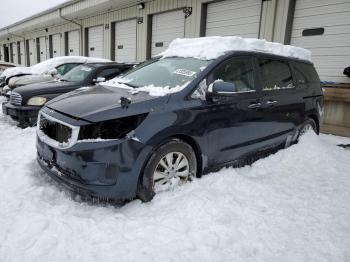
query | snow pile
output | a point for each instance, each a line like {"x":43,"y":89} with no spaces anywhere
{"x":50,"y":64}
{"x":207,"y":48}
{"x":291,"y":206}
{"x":151,"y":89}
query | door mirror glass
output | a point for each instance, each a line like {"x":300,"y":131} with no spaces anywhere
{"x":99,"y":80}
{"x":221,"y":88}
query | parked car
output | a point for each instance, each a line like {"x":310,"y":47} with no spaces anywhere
{"x":42,"y":72}
{"x":5,"y":65}
{"x":26,"y":101}
{"x":199,"y":107}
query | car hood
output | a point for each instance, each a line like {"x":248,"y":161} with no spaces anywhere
{"x":29,"y":79}
{"x":52,"y":87}
{"x":100,"y":103}
{"x":20,"y":70}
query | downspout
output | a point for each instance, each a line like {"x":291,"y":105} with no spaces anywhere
{"x":24,"y":44}
{"x":81,"y":29}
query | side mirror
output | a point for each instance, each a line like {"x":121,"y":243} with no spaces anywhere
{"x":221,"y":88}
{"x":99,"y":80}
{"x":53,"y":72}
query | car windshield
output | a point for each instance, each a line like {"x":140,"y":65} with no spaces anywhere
{"x":77,"y":74}
{"x":166,"y":72}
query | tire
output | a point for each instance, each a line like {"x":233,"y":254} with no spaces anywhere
{"x":157,"y":178}
{"x":308,"y":125}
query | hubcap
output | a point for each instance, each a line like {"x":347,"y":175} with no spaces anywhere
{"x":172,"y":169}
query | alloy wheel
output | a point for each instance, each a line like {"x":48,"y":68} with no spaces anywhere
{"x":172,"y":169}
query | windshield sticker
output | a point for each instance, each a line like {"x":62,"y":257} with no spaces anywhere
{"x":184,"y":72}
{"x":87,"y":69}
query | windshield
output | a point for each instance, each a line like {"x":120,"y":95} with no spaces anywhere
{"x":77,"y":74}
{"x":164,"y":73}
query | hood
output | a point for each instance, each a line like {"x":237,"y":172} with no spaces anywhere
{"x":51,"y":88}
{"x":14,"y":71}
{"x":99,"y":103}
{"x":28,"y":79}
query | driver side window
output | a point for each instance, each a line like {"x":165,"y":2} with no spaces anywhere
{"x":237,"y":70}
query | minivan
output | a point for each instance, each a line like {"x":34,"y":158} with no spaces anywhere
{"x":176,"y":117}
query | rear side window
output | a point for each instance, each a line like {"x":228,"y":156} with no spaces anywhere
{"x":305,"y":74}
{"x":276,"y":74}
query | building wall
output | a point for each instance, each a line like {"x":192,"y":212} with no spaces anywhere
{"x":273,"y":22}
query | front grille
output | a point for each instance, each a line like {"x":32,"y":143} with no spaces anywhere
{"x":15,"y":99}
{"x":55,"y":130}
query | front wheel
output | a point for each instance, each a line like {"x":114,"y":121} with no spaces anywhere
{"x":172,"y":164}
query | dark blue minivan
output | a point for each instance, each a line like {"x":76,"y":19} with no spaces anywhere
{"x":134,"y":139}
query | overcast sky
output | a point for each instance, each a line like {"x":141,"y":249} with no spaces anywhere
{"x":13,"y":11}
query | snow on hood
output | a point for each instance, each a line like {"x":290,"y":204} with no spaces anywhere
{"x":207,"y":48}
{"x":151,"y":89}
{"x":50,"y":64}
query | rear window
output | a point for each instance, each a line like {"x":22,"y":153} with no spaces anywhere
{"x":305,"y":74}
{"x":276,"y":74}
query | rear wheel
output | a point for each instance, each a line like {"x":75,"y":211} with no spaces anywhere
{"x":172,"y":164}
{"x":309,"y":125}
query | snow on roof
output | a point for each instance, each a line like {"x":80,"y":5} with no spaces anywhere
{"x":49,"y":64}
{"x":207,"y":48}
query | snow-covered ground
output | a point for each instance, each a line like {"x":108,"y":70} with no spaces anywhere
{"x":291,"y":206}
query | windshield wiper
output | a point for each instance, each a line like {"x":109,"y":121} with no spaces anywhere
{"x":133,"y":86}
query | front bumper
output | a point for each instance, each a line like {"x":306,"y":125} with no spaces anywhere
{"x":107,"y":170}
{"x":23,"y":114}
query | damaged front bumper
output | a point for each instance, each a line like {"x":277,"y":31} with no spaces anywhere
{"x":108,"y":169}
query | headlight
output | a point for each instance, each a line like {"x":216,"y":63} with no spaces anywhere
{"x":36,"y":101}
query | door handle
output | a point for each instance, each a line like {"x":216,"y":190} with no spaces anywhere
{"x":271,"y":102}
{"x":254,"y":105}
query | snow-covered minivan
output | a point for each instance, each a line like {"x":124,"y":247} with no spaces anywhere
{"x":201,"y":105}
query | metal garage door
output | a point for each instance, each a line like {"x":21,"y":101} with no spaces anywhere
{"x":95,"y":41}
{"x":56,"y":45}
{"x":14,"y":53}
{"x":32,"y":52}
{"x":125,"y":41}
{"x":74,"y":43}
{"x":21,"y":52}
{"x":324,"y":28}
{"x":233,"y":17}
{"x":43,"y":46}
{"x":165,"y":28}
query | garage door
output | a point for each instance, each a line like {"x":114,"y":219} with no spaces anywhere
{"x":95,"y":41}
{"x":21,"y":52}
{"x":14,"y":53}
{"x":74,"y":43}
{"x":43,"y":46}
{"x":233,"y":17}
{"x":32,"y":51}
{"x":324,"y":28}
{"x":165,"y":28}
{"x":56,"y":45}
{"x":125,"y":41}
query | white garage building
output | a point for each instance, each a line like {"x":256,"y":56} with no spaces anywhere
{"x":129,"y":30}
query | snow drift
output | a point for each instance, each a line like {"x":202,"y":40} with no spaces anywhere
{"x":291,"y":206}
